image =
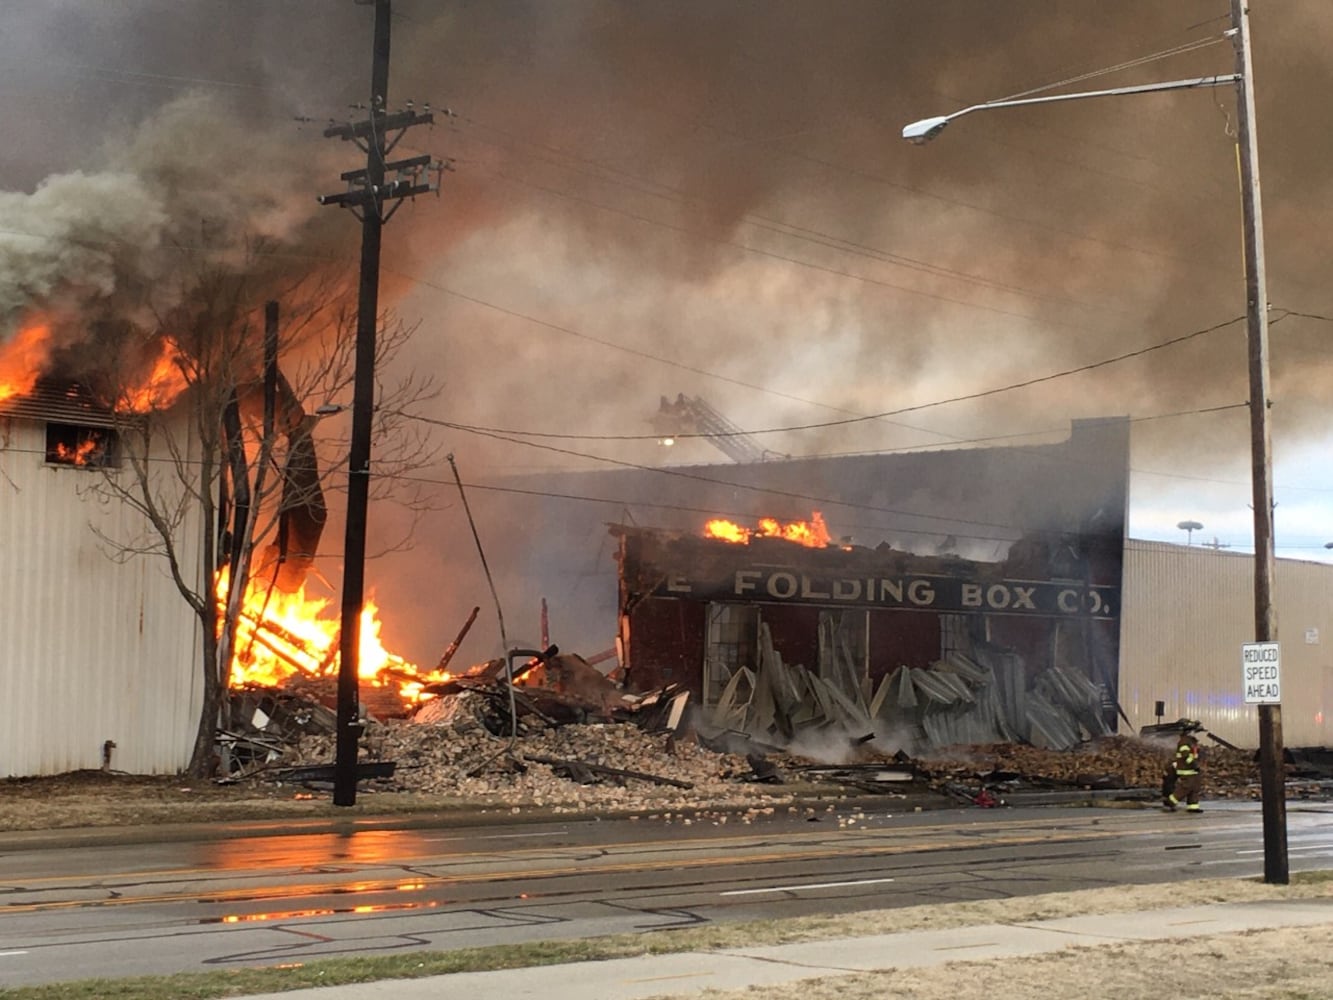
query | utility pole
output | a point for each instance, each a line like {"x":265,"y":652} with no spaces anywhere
{"x":1272,"y":777}
{"x":367,"y":196}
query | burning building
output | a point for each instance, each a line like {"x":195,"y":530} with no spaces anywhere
{"x":129,"y":507}
{"x":790,"y":637}
{"x":1012,"y":556}
{"x":949,"y":595}
{"x":97,"y":655}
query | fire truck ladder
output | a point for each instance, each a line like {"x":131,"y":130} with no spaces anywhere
{"x":692,"y":415}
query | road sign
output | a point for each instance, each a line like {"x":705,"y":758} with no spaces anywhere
{"x":1260,"y":673}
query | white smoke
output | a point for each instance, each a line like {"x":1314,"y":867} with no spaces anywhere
{"x":68,"y":240}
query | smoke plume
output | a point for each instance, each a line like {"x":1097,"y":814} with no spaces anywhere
{"x":714,"y":199}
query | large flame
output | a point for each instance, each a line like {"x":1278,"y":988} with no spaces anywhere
{"x":22,"y":358}
{"x":159,"y":389}
{"x":279,"y":636}
{"x":812,"y":533}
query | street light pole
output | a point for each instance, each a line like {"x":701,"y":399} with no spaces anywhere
{"x":1261,"y":443}
{"x":1271,"y":776}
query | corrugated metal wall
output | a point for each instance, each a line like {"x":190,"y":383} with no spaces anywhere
{"x":1188,"y":610}
{"x":90,"y":649}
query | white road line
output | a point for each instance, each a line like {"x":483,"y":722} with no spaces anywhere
{"x":497,"y":836}
{"x":6,"y":954}
{"x":796,"y":888}
{"x":1293,"y":848}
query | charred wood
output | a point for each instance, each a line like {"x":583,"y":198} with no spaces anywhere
{"x":452,"y":648}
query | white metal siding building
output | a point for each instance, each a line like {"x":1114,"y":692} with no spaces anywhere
{"x":1187,"y":611}
{"x":91,"y":649}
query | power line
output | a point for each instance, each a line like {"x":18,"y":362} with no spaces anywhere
{"x":904,"y":450}
{"x":774,"y":255}
{"x":601,"y":342}
{"x":1201,"y":43}
{"x":779,"y":227}
{"x":980,"y":394}
{"x":731,"y":484}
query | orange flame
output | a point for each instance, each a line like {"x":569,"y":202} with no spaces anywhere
{"x":728,"y":531}
{"x":79,"y":454}
{"x":22,"y":358}
{"x":280,"y":635}
{"x":161,"y":387}
{"x":812,"y":534}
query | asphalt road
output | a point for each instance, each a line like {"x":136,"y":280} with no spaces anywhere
{"x":78,"y":911}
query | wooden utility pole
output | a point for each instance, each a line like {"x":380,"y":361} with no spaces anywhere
{"x":367,"y":196}
{"x":1272,"y":777}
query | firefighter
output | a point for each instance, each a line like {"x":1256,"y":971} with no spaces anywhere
{"x":1186,"y":770}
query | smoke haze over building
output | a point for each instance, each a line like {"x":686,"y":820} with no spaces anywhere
{"x":713,"y":198}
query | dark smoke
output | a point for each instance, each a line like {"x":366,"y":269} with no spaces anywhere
{"x":712,"y":198}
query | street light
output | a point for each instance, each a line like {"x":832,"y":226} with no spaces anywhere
{"x":1272,"y":779}
{"x":1189,"y":527}
{"x":923,"y":131}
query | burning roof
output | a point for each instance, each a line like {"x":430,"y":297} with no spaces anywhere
{"x":812,"y":534}
{"x":45,"y":398}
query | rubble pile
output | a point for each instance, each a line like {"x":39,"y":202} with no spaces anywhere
{"x":1109,"y":762}
{"x":570,"y":769}
{"x":470,"y":747}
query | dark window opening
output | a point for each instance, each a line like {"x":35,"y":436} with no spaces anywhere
{"x":80,"y":447}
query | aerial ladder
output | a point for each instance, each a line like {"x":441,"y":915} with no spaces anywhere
{"x":693,"y":415}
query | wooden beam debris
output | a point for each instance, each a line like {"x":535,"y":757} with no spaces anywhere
{"x":281,"y":643}
{"x":452,"y":648}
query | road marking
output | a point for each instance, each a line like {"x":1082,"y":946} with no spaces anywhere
{"x":6,"y":954}
{"x":795,"y":888}
{"x":498,"y":836}
{"x":1292,"y":848}
{"x":786,"y":855}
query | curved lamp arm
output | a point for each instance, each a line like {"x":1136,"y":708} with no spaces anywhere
{"x":927,"y":128}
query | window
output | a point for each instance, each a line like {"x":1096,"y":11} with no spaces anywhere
{"x":843,"y":647}
{"x":80,"y":447}
{"x":957,"y":635}
{"x":733,"y":642}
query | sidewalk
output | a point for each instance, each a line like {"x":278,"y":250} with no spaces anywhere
{"x":734,"y":968}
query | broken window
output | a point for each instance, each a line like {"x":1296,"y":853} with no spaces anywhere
{"x":958,"y":634}
{"x":844,"y":640}
{"x":80,"y":446}
{"x":733,"y":642}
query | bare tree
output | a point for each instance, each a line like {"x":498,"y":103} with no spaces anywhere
{"x":218,"y":449}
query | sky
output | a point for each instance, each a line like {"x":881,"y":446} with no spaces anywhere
{"x":713,"y":198}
